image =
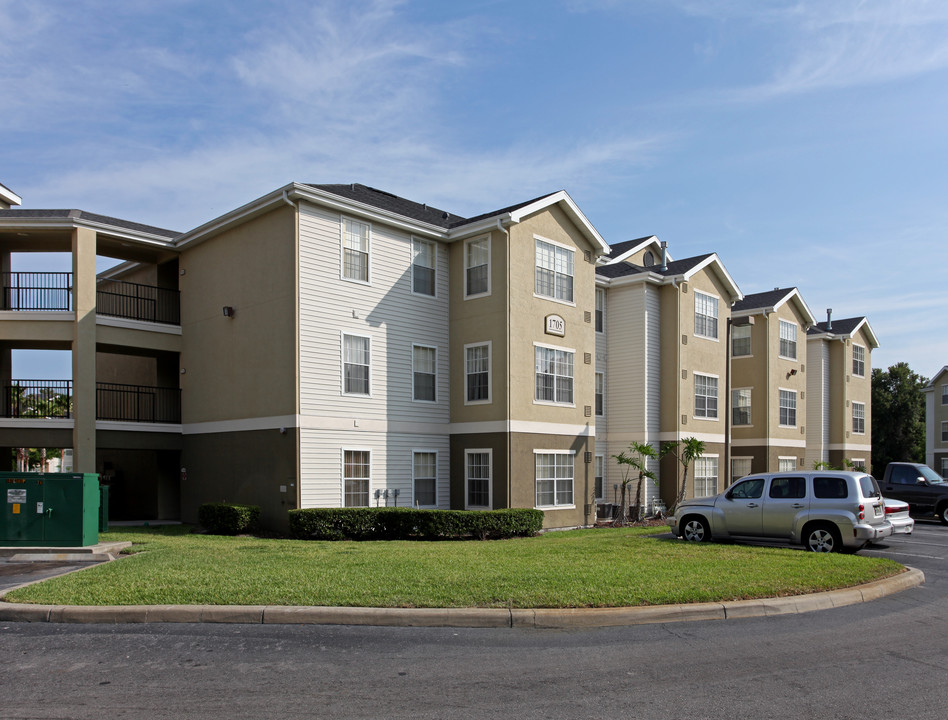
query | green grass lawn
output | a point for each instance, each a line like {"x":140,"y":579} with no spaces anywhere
{"x":579,"y":568}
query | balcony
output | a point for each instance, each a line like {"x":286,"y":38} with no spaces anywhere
{"x":114,"y":401}
{"x":49,"y":291}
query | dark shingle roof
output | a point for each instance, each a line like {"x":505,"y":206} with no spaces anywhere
{"x":766,"y":299}
{"x":20,"y":213}
{"x":676,"y":267}
{"x":843,"y":326}
{"x":393,"y":203}
{"x":509,"y":208}
{"x":627,"y":245}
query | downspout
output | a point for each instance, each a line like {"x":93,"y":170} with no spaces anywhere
{"x":299,"y":439}
{"x":507,"y":438}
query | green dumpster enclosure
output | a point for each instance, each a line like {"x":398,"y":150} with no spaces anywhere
{"x":50,"y":509}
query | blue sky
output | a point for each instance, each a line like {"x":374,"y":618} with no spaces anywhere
{"x":802,"y":140}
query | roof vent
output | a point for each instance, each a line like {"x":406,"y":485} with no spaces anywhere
{"x":829,"y":318}
{"x":664,"y":256}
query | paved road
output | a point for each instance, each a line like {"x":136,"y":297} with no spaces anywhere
{"x":887,"y":658}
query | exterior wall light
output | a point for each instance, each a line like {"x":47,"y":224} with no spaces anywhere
{"x":228,"y":311}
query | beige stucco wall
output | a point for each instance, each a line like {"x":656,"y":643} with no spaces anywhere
{"x":243,"y":366}
{"x":780,"y":377}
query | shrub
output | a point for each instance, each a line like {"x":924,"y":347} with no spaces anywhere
{"x":412,"y":524}
{"x":227,"y":519}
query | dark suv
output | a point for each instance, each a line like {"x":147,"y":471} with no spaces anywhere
{"x":922,"y":488}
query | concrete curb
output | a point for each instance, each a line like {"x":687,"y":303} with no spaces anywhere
{"x":538,"y":618}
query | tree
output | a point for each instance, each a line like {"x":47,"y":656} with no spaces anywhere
{"x":636,"y":458}
{"x":898,"y":416}
{"x":690,"y":449}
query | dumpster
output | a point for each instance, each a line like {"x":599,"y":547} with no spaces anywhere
{"x":49,"y":509}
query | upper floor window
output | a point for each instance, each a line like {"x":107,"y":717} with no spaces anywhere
{"x":944,"y":431}
{"x":554,"y":478}
{"x":424,"y":475}
{"x":424,"y":362}
{"x":648,"y":259}
{"x":740,"y":340}
{"x":706,"y":315}
{"x":600,"y":309}
{"x":477,"y":267}
{"x":356,"y":352}
{"x":706,"y":397}
{"x":859,"y":361}
{"x":477,"y":373}
{"x":355,"y":250}
{"x":554,"y":271}
{"x":788,"y":408}
{"x":944,"y":394}
{"x":741,"y":406}
{"x":859,"y":418}
{"x":788,"y":340}
{"x":554,"y":375}
{"x":600,"y":393}
{"x":424,"y":256}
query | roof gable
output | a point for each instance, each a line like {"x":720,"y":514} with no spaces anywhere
{"x":773,"y":300}
{"x":845,"y":328}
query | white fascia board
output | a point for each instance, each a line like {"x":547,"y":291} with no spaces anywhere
{"x":873,"y":340}
{"x":931,"y":383}
{"x":572,"y":210}
{"x":714,"y":261}
{"x":804,"y":309}
{"x":479,"y":228}
{"x":9,"y":197}
{"x":652,"y":240}
{"x":101,"y":228}
{"x":644,"y":277}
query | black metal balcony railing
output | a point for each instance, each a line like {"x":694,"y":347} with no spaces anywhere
{"x":37,"y":291}
{"x":116,"y":298}
{"x":114,"y":401}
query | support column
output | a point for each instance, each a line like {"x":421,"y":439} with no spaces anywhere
{"x":83,"y":349}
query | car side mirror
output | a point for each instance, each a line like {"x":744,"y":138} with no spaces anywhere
{"x":729,"y":495}
{"x":921,"y":481}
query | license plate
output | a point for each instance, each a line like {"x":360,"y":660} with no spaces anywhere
{"x":878,"y":510}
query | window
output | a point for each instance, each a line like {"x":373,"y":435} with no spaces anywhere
{"x":944,"y":394}
{"x":944,"y":431}
{"x":424,"y":361}
{"x":786,"y":464}
{"x":600,"y":397}
{"x":477,"y":477}
{"x":740,"y":340}
{"x":830,"y":487}
{"x":788,"y":488}
{"x":706,"y":397}
{"x":748,"y":490}
{"x":600,"y":309}
{"x":788,"y":340}
{"x":355,"y":250}
{"x":425,"y":478}
{"x":858,"y":464}
{"x":648,"y":259}
{"x":944,"y":467}
{"x":355,"y":364}
{"x":477,"y":373}
{"x":355,"y":478}
{"x":554,"y":271}
{"x":741,"y":406}
{"x":740,"y":466}
{"x":599,"y":479}
{"x":424,"y":257}
{"x":788,"y":408}
{"x":706,"y":315}
{"x":859,"y":361}
{"x":554,"y":375}
{"x":477,"y":267}
{"x":859,"y":418}
{"x":706,"y":476}
{"x":554,"y":476}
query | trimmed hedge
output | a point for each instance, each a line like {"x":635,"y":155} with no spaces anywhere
{"x":412,"y":524}
{"x":227,"y":519}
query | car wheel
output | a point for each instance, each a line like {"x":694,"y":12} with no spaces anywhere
{"x":943,"y":514}
{"x":696,"y":529}
{"x":823,"y":538}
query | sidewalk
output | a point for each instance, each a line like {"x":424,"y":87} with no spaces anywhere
{"x":539,"y":618}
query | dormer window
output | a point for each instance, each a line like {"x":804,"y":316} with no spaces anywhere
{"x":648,"y":259}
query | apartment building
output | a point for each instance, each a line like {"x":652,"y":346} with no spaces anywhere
{"x":661,"y":361}
{"x":839,"y":392}
{"x":936,"y":422}
{"x":768,"y":382}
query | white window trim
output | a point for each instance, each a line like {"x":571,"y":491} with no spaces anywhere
{"x":490,"y":373}
{"x":435,"y":453}
{"x":342,"y":364}
{"x":490,"y":480}
{"x":750,"y":409}
{"x":599,"y":374}
{"x":853,"y":417}
{"x":427,"y":347}
{"x":781,"y":322}
{"x":717,"y":396}
{"x":858,"y":462}
{"x":795,"y":460}
{"x":717,"y":319}
{"x":749,"y":458}
{"x":342,"y":251}
{"x":570,"y":506}
{"x":552,"y":403}
{"x":602,"y":460}
{"x":717,"y":475}
{"x":411,"y":260}
{"x":944,"y":429}
{"x":489,"y":266}
{"x":944,"y":394}
{"x":342,"y":475}
{"x":796,"y":406}
{"x":864,"y":354}
{"x":751,"y":338}
{"x":600,"y":293}
{"x":562,"y":246}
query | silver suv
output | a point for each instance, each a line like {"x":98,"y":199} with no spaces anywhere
{"x":824,"y":510}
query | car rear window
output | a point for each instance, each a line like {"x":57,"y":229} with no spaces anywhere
{"x":869,"y":486}
{"x":788,"y":487}
{"x":830,"y":487}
